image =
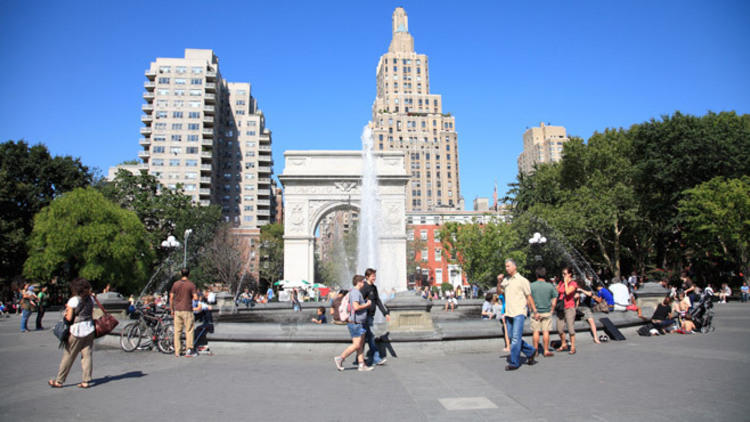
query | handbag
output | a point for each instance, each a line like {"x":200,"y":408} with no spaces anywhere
{"x":560,"y":308}
{"x":105,"y":323}
{"x":61,"y":330}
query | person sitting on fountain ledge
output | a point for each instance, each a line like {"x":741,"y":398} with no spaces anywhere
{"x":320,"y":316}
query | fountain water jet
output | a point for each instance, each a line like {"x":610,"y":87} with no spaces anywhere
{"x":369,"y":215}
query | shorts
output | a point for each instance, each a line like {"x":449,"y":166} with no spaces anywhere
{"x":543,"y":324}
{"x":355,"y":330}
{"x":587,"y":314}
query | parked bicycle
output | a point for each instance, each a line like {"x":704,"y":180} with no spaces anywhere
{"x":151,"y":327}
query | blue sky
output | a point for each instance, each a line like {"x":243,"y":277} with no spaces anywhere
{"x":73,"y":71}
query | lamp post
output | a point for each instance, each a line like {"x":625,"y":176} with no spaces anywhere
{"x":537,"y":239}
{"x":184,"y":259}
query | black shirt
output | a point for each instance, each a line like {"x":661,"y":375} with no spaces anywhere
{"x":370,"y":292}
{"x":662,"y":312}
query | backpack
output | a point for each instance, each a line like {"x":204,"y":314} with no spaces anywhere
{"x":345,"y":309}
{"x":645,"y":330}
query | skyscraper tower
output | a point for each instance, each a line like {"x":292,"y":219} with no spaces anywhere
{"x":406,"y":117}
{"x":208,"y":136}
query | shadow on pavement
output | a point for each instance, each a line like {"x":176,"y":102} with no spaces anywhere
{"x":107,"y":378}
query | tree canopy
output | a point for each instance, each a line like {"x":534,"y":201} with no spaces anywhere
{"x":82,"y":234}
{"x":30,"y":178}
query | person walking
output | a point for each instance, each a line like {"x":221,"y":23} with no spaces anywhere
{"x":517,"y":296}
{"x":79,"y":313}
{"x":42,"y":300}
{"x":181,"y":308}
{"x":545,"y":298}
{"x":567,"y":293}
{"x":296,"y":307}
{"x":370,"y":292}
{"x":355,"y":325}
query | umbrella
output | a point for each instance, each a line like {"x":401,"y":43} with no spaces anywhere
{"x":318,"y":286}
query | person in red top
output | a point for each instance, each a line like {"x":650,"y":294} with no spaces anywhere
{"x":181,"y":307}
{"x":566,"y":290}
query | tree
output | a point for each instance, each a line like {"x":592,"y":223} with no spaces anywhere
{"x":716,"y":220}
{"x":271,"y":253}
{"x":481,"y":249}
{"x":30,"y":178}
{"x":677,"y":153}
{"x":163,"y":211}
{"x":223,"y":258}
{"x":82,"y":234}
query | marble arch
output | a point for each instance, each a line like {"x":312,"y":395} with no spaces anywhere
{"x":318,"y":182}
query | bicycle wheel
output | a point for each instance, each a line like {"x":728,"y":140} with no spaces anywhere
{"x":128,"y":343}
{"x":165,"y":339}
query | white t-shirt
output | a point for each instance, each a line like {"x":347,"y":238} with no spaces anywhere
{"x":83,"y":328}
{"x":620,"y":294}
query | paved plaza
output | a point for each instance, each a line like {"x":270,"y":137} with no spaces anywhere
{"x":665,"y":378}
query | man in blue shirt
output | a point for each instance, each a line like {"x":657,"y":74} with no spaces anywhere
{"x":604,"y":294}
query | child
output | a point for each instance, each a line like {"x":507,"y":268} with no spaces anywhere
{"x":320,"y":318}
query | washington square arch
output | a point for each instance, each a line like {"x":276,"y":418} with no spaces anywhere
{"x":317,"y":183}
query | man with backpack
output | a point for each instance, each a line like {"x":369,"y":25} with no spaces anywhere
{"x":370,"y":293}
{"x":354,"y":310}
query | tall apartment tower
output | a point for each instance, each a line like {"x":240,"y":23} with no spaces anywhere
{"x":208,"y":135}
{"x":541,"y":144}
{"x":407,"y":117}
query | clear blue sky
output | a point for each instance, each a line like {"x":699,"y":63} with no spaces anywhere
{"x":73,"y":71}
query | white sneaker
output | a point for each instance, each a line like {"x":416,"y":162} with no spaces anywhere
{"x":365,"y":368}
{"x":654,"y":332}
{"x":382,"y":362}
{"x":339,"y":363}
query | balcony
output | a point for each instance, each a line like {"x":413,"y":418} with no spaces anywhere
{"x":210,"y":98}
{"x":148,"y":108}
{"x":151,"y":74}
{"x":208,"y":120}
{"x":264,"y":148}
{"x":264,"y":202}
{"x":205,"y":167}
{"x":209,"y":109}
{"x":205,"y":180}
{"x":147,"y":118}
{"x":149,"y":85}
{"x":211,"y":75}
{"x":265,"y":159}
{"x":211,"y":87}
{"x":208,"y":132}
{"x":205,"y":202}
{"x":264,"y":181}
{"x":264,"y":169}
{"x":207,"y":142}
{"x":204,"y":191}
{"x":145,"y":131}
{"x":264,"y":140}
{"x":144,"y":142}
{"x":262,"y":211}
{"x":144,"y":154}
{"x":207,"y":154}
{"x":148,"y":95}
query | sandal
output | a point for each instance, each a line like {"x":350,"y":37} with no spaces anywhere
{"x":561,"y":349}
{"x":572,"y":352}
{"x":54,"y":384}
{"x":548,"y":354}
{"x":84,"y":385}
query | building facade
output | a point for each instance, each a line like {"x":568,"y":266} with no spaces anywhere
{"x":208,"y":136}
{"x":543,"y":144}
{"x":433,"y":266}
{"x":407,"y":117}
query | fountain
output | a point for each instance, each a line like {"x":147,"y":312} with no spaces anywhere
{"x":369,"y":215}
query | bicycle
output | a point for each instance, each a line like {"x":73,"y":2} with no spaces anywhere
{"x":150,"y":328}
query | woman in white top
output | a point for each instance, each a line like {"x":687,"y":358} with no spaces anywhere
{"x":79,"y":313}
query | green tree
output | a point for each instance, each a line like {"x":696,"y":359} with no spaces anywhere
{"x":30,"y":178}
{"x":716,"y":220}
{"x":271,"y":253}
{"x":677,"y":153}
{"x":164,"y":212}
{"x":83,"y":234}
{"x":481,"y":249}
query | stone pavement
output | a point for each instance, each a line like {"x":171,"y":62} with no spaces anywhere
{"x":665,"y":378}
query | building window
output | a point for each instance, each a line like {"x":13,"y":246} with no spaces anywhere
{"x":424,"y":255}
{"x":192,"y":138}
{"x":174,"y":163}
{"x":191,"y":163}
{"x":194,"y":115}
{"x":423,"y":234}
{"x":177,"y":114}
{"x":176,"y":126}
{"x":164,"y":81}
{"x":197,"y":70}
{"x":180,"y":81}
{"x":196,"y":81}
{"x":181,"y":69}
{"x":176,"y":138}
{"x":158,"y":149}
{"x":438,"y":254}
{"x":193,"y":126}
{"x":191,"y":150}
{"x":195,"y":92}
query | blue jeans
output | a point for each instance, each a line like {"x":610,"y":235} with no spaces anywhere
{"x":355,"y":330}
{"x":370,"y":339}
{"x":745,"y":296}
{"x":517,"y":345}
{"x":25,"y":320}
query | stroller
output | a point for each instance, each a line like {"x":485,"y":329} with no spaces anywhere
{"x":702,"y":314}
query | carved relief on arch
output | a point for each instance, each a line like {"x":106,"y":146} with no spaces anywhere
{"x":296,"y":217}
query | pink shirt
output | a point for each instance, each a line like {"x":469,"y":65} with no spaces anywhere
{"x":569,"y":300}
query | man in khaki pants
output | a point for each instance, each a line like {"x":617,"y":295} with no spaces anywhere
{"x":181,"y":306}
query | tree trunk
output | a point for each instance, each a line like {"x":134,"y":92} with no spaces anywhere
{"x":616,"y":253}
{"x":603,"y":251}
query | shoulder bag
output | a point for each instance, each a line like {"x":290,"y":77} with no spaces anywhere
{"x":105,"y":323}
